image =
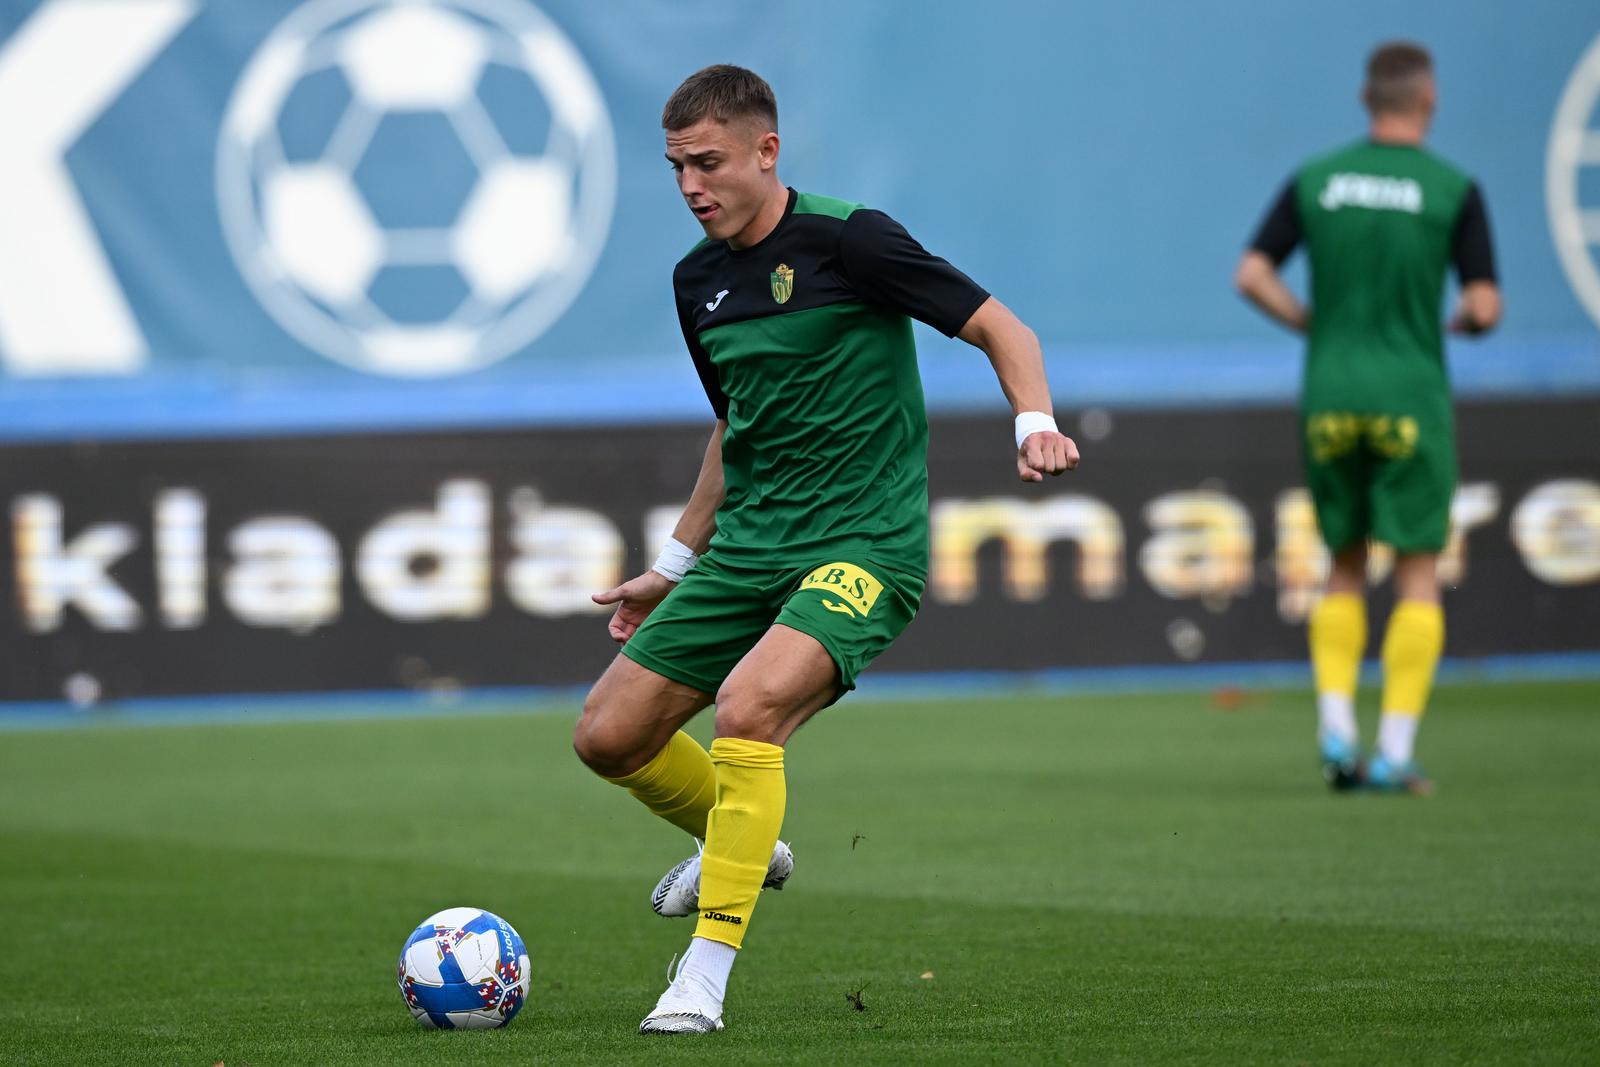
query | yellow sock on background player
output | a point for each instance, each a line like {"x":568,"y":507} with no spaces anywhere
{"x":1412,"y":645}
{"x":1338,"y":636}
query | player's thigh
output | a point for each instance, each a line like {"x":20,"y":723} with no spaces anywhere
{"x":630,"y":714}
{"x":854,"y":610}
{"x":1413,"y":483}
{"x":780,"y":683}
{"x":1336,"y":472}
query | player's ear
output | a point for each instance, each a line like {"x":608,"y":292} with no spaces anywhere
{"x":767,"y":150}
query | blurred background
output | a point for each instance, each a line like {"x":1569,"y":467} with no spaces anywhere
{"x":337,"y":348}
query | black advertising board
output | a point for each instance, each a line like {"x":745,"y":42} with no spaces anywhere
{"x":466,"y":559}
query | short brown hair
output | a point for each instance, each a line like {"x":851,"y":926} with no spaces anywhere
{"x":1396,"y":72}
{"x":722,"y":92}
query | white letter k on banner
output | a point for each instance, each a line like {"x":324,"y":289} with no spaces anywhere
{"x":61,"y":309}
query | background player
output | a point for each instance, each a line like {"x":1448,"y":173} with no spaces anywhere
{"x":1381,"y":221}
{"x":803,"y":550}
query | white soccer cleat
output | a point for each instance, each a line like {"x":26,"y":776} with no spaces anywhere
{"x":678,"y":892}
{"x":686,"y":1007}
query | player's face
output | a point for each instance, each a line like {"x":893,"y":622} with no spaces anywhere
{"x":724,"y":172}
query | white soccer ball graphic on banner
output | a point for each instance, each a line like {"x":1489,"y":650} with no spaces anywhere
{"x":416,"y":187}
{"x":1573,"y":151}
{"x":464,"y":969}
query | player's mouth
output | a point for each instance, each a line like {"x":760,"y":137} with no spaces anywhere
{"x":705,"y":212}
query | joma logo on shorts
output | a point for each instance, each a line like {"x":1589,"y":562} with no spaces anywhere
{"x":723,"y":917}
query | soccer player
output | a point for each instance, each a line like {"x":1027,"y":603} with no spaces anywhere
{"x":1382,"y":220}
{"x":803,"y":550}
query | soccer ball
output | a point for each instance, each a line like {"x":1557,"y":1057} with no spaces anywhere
{"x":416,"y":187}
{"x":464,"y":969}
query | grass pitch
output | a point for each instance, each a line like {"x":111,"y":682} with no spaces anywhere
{"x":1128,"y":879}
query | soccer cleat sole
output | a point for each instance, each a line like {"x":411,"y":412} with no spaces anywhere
{"x":680,"y":1022}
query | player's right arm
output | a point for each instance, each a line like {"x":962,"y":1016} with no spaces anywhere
{"x":1257,"y":276}
{"x":699,"y":519}
{"x":637,"y":598}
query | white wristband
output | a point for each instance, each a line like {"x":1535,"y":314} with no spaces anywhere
{"x":675,"y":560}
{"x":1031,"y":422}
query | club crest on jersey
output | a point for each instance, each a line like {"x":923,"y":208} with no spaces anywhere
{"x":783,"y":283}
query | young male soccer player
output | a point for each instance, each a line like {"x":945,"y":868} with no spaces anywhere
{"x":1381,"y":220}
{"x":803,"y":550}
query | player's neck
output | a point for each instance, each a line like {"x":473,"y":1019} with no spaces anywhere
{"x":1398,"y":129}
{"x":766,"y":220}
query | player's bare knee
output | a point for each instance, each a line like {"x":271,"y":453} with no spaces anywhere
{"x":607,"y":752}
{"x":602,"y":745}
{"x":750,"y":710}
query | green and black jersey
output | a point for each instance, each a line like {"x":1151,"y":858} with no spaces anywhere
{"x":1382,"y":223}
{"x":803,"y":343}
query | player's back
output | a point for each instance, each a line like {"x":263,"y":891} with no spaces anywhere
{"x":1379,"y":223}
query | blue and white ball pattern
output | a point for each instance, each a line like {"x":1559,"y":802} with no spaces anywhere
{"x":464,"y":969}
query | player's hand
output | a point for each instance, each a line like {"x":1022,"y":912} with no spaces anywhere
{"x":635,"y":600}
{"x":1046,"y":452}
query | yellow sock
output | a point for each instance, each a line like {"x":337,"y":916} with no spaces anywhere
{"x":679,"y":784}
{"x":1338,"y":636}
{"x":741,"y":832}
{"x":1411,"y":649}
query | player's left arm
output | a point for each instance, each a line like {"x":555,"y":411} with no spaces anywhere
{"x":1257,"y":276}
{"x":1013,"y":350}
{"x":887,"y":266}
{"x":1472,"y":251}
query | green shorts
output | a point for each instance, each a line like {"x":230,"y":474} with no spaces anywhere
{"x":855,"y":609}
{"x":1387,"y":478}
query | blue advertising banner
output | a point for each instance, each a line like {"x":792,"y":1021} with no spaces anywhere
{"x":221,"y":217}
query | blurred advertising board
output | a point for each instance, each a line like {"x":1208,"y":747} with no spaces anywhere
{"x":467,"y":559}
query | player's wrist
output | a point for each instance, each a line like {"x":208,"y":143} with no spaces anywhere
{"x":1032,"y":422}
{"x":676,"y":560}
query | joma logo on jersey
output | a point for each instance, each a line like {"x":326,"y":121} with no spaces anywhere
{"x":856,"y":590}
{"x":1371,"y":191}
{"x":783,"y":283}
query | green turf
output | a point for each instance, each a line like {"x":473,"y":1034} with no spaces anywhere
{"x":1129,"y":879}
